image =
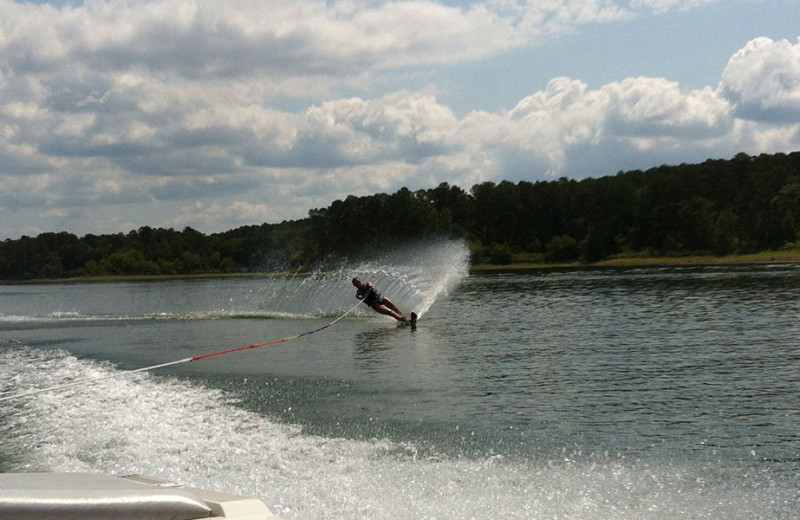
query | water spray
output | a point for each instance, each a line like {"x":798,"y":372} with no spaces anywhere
{"x":415,"y":275}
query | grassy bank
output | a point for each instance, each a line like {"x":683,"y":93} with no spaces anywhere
{"x":765,"y":257}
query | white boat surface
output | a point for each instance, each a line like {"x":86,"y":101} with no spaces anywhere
{"x":85,"y":496}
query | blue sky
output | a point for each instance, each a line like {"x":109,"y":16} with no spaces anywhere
{"x":170,"y":113}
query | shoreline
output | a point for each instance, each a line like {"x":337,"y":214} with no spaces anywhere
{"x":138,"y":278}
{"x":763,"y":258}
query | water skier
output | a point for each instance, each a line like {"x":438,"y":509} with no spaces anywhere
{"x":367,"y":293}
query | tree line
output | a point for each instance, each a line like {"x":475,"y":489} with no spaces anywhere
{"x":742,"y":205}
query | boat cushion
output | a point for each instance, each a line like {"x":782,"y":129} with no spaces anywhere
{"x":80,"y":496}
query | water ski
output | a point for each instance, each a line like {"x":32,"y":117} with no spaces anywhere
{"x":411,"y":320}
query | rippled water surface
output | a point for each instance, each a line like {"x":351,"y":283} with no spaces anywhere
{"x":582,"y":393}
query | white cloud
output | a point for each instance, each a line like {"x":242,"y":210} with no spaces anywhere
{"x":536,"y":18}
{"x":205,"y":215}
{"x":662,"y":6}
{"x":565,"y":114}
{"x":175,"y":103}
{"x":282,"y":39}
{"x":656,"y":107}
{"x":568,"y":119}
{"x":763,"y":80}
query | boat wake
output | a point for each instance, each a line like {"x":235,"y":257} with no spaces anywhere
{"x":182,"y":431}
{"x":78,"y":319}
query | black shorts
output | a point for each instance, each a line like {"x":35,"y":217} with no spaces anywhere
{"x":375,"y":302}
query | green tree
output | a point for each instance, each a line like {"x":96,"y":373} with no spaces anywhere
{"x":562,"y":248}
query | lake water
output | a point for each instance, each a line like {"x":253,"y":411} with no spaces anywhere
{"x":644,"y":393}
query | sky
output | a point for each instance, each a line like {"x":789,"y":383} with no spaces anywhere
{"x":118,"y":114}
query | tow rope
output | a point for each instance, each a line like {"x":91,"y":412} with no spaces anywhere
{"x":176,"y":362}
